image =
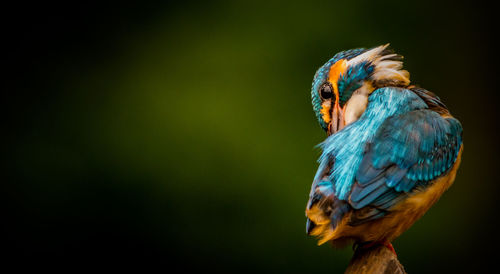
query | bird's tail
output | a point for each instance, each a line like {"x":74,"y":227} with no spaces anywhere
{"x":324,"y":212}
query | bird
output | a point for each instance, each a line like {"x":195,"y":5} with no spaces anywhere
{"x":392,"y":149}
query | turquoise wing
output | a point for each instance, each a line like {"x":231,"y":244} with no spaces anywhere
{"x":408,"y":151}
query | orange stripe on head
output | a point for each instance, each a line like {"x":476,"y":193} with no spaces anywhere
{"x":335,"y":70}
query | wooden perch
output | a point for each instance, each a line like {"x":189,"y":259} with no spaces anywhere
{"x":376,"y":259}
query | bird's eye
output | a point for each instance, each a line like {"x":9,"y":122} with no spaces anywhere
{"x":326,"y":91}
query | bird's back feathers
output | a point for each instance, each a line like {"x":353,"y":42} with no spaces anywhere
{"x":404,"y":141}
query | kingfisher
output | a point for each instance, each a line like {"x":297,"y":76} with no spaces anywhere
{"x":392,"y":149}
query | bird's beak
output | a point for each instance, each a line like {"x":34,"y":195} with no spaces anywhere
{"x":338,"y":121}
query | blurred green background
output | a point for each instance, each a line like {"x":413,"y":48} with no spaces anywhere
{"x":182,"y":135}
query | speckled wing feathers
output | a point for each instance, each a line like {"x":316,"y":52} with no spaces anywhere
{"x":408,"y":151}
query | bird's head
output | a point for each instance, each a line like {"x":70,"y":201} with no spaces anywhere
{"x":341,"y":87}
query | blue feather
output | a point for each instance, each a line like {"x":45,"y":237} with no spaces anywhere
{"x":422,"y":151}
{"x":360,"y":193}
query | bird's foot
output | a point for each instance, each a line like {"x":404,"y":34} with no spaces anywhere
{"x":391,"y":248}
{"x":368,"y":245}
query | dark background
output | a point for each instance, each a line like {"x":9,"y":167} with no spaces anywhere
{"x":182,"y":135}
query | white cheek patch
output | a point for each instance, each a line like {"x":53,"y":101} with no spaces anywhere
{"x":355,"y":107}
{"x":385,"y":67}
